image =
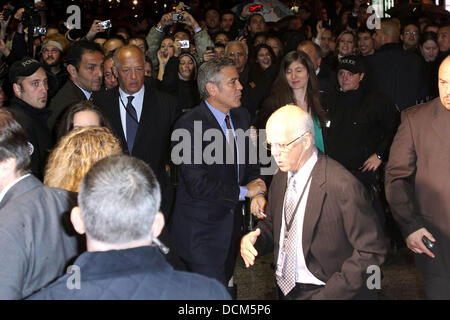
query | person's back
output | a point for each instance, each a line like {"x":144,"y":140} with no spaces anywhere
{"x":147,"y":276}
{"x":118,"y":210}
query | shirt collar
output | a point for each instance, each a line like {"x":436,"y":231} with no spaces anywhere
{"x":306,"y":169}
{"x":220,"y":116}
{"x":6,"y":189}
{"x":136,"y":95}
{"x":86,"y":93}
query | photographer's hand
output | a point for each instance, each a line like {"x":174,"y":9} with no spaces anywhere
{"x":189,"y":20}
{"x":95,"y":28}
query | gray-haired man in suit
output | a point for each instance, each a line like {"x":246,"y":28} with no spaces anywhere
{"x":320,"y":224}
{"x":35,"y":239}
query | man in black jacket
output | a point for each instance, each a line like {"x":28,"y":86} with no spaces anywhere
{"x":393,"y":71}
{"x":29,"y":82}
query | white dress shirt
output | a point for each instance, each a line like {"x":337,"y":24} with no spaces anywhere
{"x":302,"y":274}
{"x":137,"y":103}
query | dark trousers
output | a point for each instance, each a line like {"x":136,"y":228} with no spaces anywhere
{"x":299,"y":292}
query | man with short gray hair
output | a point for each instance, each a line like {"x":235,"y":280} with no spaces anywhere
{"x":208,"y":208}
{"x":118,"y":202}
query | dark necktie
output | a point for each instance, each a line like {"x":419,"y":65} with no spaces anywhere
{"x":232,"y":143}
{"x":132,"y":124}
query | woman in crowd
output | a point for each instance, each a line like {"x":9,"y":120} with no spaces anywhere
{"x":346,"y":44}
{"x":429,"y":49}
{"x":81,"y":114}
{"x":296,"y":84}
{"x":180,"y":80}
{"x":276,"y":45}
{"x":165,"y":52}
{"x":263,"y":58}
{"x":75,"y":154}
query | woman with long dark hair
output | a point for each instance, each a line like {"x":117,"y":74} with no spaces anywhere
{"x":297,"y":84}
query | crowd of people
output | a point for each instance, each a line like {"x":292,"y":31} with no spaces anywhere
{"x":353,"y":115}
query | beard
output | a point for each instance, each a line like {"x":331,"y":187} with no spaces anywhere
{"x":52,"y":62}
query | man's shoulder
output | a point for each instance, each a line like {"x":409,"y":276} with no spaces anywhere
{"x":422,"y":111}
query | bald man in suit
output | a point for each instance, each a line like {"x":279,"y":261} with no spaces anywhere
{"x":320,"y":225}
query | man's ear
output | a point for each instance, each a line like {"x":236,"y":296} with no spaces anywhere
{"x":115,"y":71}
{"x":158,"y":225}
{"x":72,"y":71}
{"x":319,"y":61}
{"x":212,"y":89}
{"x":17,"y":90}
{"x":361,"y":76}
{"x":77,"y":221}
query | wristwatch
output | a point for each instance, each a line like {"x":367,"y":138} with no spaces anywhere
{"x":379,"y":157}
{"x":159,"y":28}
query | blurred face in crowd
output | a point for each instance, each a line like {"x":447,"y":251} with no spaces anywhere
{"x":366,"y":44}
{"x":444,"y":83}
{"x":140,"y":43}
{"x":89,"y":75}
{"x":429,"y":50}
{"x":148,"y":69}
{"x":33,"y":89}
{"x":86,"y":118}
{"x":186,"y":67}
{"x":256,"y":24}
{"x":348,"y":80}
{"x":236,"y":52}
{"x":325,"y":42}
{"x":346,"y":44}
{"x":212,"y":19}
{"x":297,"y":75}
{"x":275,"y":44}
{"x":227,"y":95}
{"x":259,"y":40}
{"x":378,"y":38}
{"x":220,"y":52}
{"x":295,"y":24}
{"x":410,"y":36}
{"x":100,"y":41}
{"x":227,"y":21}
{"x":112,"y":44}
{"x":309,"y":49}
{"x":222,"y":38}
{"x":51,"y":56}
{"x":181,"y":35}
{"x":167,"y":48}
{"x":130,"y":69}
{"x":444,"y":39}
{"x":110,"y":78}
{"x":263,"y":58}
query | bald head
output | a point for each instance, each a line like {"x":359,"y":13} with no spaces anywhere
{"x":290,"y":132}
{"x":129,"y":63}
{"x":313,"y":52}
{"x":388,"y":33}
{"x":112,"y":44}
{"x":444,"y":83}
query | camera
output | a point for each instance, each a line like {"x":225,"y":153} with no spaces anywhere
{"x":177,"y":17}
{"x":7,"y":11}
{"x":40,"y":30}
{"x":255,"y":8}
{"x":184,"y":44}
{"x":106,"y":24}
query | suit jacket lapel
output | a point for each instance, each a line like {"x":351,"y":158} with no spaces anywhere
{"x":116,"y":122}
{"x":145,"y":126}
{"x":314,"y":204}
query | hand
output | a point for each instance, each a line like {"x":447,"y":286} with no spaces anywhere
{"x":189,"y":20}
{"x":209,"y":55}
{"x":257,"y":205}
{"x":4,"y":23}
{"x":371,"y":164}
{"x":255,"y":186}
{"x":248,"y":251}
{"x":95,"y":28}
{"x":4,"y":49}
{"x":319,"y":27}
{"x":166,"y":19}
{"x":415,"y":244}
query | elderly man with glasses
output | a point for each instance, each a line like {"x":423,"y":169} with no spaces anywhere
{"x":320,"y":225}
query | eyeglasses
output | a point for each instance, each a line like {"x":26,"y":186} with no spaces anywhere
{"x":414,"y":33}
{"x":283,"y":147}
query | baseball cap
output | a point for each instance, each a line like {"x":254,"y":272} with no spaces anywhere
{"x":351,"y":63}
{"x":23,"y":68}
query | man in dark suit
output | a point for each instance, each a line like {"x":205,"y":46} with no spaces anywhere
{"x":417,"y":184}
{"x":35,"y":242}
{"x":320,"y":224}
{"x":393,"y":71}
{"x":141,"y":116}
{"x":208,"y":208}
{"x":85,"y":67}
{"x":118,"y":210}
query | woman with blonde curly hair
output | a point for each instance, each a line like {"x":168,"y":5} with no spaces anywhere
{"x":75,"y":154}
